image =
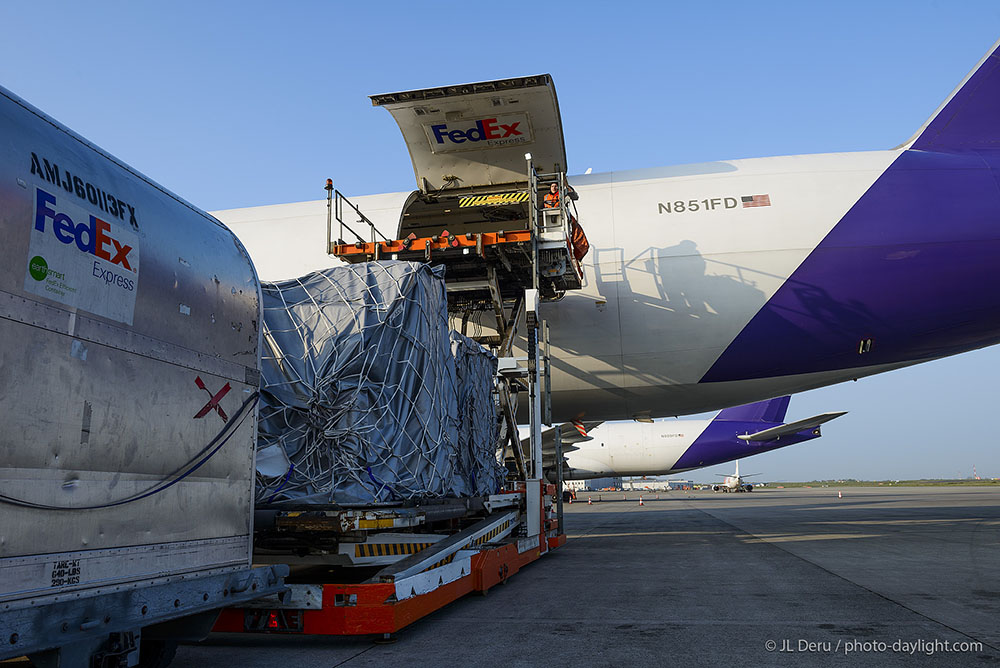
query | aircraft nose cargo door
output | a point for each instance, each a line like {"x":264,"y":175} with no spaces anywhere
{"x":476,"y":135}
{"x":468,"y":143}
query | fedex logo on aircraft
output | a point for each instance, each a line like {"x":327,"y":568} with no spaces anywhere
{"x":93,"y":237}
{"x":491,"y":132}
{"x":487,"y":128}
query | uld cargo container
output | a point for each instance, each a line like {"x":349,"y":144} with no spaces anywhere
{"x":129,"y":341}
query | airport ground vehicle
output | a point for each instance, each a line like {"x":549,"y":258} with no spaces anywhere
{"x":398,"y":577}
{"x":128,"y":376}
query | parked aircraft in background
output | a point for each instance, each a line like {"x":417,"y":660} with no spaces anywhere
{"x":712,"y":284}
{"x":662,"y":447}
{"x":734,"y":482}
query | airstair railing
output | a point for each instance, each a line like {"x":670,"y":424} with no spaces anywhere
{"x":335,"y":203}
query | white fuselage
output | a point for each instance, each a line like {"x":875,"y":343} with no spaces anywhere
{"x":677,"y":268}
{"x":632,"y":449}
{"x":731,"y":482}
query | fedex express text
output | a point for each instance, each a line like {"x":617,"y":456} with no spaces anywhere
{"x":94,"y":237}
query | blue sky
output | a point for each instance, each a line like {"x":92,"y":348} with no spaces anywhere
{"x":243,"y":104}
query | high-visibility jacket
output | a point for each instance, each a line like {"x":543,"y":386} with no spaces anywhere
{"x":551,"y":201}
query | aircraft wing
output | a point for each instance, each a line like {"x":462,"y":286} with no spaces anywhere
{"x":791,"y":427}
{"x":572,"y":432}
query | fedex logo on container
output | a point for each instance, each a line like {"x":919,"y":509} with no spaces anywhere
{"x":493,"y":132}
{"x":80,"y":260}
{"x":92,"y":237}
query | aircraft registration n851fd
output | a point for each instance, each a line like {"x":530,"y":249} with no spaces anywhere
{"x":713,"y":284}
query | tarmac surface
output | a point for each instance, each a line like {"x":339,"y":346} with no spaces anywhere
{"x":885,"y":576}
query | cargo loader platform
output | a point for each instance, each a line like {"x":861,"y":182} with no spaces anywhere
{"x":542,"y":246}
{"x":469,"y":256}
{"x":522,"y":526}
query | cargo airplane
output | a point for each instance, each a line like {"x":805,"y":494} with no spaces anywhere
{"x":734,"y":482}
{"x":713,"y":284}
{"x":664,"y":447}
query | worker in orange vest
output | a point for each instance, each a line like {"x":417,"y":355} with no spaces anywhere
{"x":577,"y":237}
{"x":551,"y":199}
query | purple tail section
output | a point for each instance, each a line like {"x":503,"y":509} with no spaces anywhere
{"x":772,"y":410}
{"x":968,"y":120}
{"x":926,"y":227}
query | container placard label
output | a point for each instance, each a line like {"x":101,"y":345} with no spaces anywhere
{"x":66,"y":572}
{"x":81,"y":260}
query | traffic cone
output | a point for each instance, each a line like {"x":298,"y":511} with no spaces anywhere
{"x":840,"y":495}
{"x":640,"y":501}
{"x":589,"y":502}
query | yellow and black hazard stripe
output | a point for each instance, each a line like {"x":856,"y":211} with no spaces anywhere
{"x":388,"y":549}
{"x":487,"y":537}
{"x":446,"y":560}
{"x":493,"y":200}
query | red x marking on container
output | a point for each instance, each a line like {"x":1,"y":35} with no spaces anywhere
{"x":213,"y":403}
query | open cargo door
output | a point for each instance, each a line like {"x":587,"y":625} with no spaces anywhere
{"x":473,"y":137}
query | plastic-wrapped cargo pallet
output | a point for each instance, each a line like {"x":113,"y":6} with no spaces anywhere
{"x":477,"y":433}
{"x":362,"y":399}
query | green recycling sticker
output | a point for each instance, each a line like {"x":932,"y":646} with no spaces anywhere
{"x":38,"y":268}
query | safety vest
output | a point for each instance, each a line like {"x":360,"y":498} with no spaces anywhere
{"x":551,"y":200}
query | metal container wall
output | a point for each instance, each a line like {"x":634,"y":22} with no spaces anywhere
{"x":125,"y":314}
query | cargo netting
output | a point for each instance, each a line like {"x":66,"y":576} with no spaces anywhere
{"x":366,"y":397}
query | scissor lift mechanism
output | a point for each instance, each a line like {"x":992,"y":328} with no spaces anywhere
{"x":506,"y":272}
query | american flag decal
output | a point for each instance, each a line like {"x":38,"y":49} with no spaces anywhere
{"x":750,"y":201}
